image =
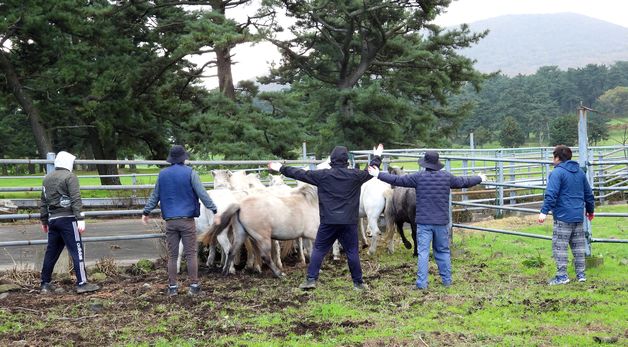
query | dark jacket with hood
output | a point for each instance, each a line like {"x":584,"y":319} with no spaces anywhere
{"x":338,"y":187}
{"x":60,"y":196}
{"x":568,"y":193}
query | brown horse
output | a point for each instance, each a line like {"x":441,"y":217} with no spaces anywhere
{"x":267,"y":217}
{"x":402,"y":209}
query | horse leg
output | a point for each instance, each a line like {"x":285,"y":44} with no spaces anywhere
{"x":406,"y":243}
{"x":301,"y":252}
{"x":225,"y":244}
{"x":238,"y":239}
{"x":276,"y":251}
{"x":375,"y":232}
{"x":252,"y":260}
{"x":336,"y":250}
{"x":180,"y":257}
{"x":413,"y":226}
{"x":265,"y":248}
{"x":390,"y":240}
{"x":364,"y":240}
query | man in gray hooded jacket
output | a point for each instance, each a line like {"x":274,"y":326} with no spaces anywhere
{"x":62,"y":220}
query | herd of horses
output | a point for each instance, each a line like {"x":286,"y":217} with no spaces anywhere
{"x":277,"y":220}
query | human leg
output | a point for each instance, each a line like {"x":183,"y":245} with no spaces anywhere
{"x":53,"y":251}
{"x":442,"y":254}
{"x":187,"y":230}
{"x":424,"y":237}
{"x":578,"y":245}
{"x":72,"y":239}
{"x":324,"y":240}
{"x":348,"y":237}
{"x":173,"y":237}
{"x":560,"y":240}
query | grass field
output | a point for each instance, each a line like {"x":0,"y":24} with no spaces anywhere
{"x":499,"y":297}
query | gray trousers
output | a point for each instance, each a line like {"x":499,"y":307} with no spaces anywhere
{"x":182,"y":230}
{"x":568,"y":234}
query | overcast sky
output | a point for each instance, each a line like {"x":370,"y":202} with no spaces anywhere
{"x":254,"y":61}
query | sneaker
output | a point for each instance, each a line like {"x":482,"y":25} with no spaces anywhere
{"x":581,"y":277}
{"x":172,"y":291}
{"x":46,"y":288}
{"x":309,"y":283}
{"x":360,"y":286}
{"x":195,"y":289}
{"x":415,"y":287}
{"x":87,"y":287}
{"x":558,"y":280}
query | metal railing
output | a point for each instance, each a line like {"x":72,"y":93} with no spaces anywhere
{"x":518,"y":175}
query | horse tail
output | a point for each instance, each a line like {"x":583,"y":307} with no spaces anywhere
{"x":209,"y":236}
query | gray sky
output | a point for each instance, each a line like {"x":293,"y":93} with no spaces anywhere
{"x":253,"y":61}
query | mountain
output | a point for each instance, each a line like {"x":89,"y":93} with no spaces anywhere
{"x":520,"y":44}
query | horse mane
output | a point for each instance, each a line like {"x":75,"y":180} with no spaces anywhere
{"x":309,"y":193}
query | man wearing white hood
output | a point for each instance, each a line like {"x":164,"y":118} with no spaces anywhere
{"x":62,"y":220}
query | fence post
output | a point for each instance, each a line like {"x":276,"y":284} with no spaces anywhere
{"x":465,"y":173}
{"x":546,"y":167}
{"x":50,"y":167}
{"x":600,"y":179}
{"x":583,"y":161}
{"x":499,"y":213}
{"x":513,"y":179}
{"x":451,"y":233}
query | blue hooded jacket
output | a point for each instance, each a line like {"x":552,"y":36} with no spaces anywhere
{"x":568,"y":193}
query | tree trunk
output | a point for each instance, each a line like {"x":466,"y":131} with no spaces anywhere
{"x":41,"y":138}
{"x":225,"y":78}
{"x":104,"y":150}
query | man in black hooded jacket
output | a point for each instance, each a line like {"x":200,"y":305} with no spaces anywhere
{"x":338,"y":202}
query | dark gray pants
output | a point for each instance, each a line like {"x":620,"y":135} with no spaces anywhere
{"x":182,"y":230}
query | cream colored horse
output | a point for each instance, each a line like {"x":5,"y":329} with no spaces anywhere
{"x":267,"y":217}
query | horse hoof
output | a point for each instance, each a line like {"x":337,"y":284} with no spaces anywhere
{"x":407,"y":245}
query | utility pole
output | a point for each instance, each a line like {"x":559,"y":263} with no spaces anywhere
{"x":584,"y":162}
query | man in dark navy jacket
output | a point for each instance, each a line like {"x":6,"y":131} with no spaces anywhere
{"x":338,"y":202}
{"x":432,"y":188}
{"x":178,"y":189}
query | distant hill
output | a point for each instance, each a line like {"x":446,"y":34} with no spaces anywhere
{"x":520,"y":44}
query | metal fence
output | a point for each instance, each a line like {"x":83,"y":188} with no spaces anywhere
{"x":517,"y":179}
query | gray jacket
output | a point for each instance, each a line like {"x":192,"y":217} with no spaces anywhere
{"x":60,"y":196}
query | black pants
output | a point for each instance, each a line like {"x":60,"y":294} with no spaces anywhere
{"x":63,"y":232}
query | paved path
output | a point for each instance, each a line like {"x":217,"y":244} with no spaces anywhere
{"x":123,"y":252}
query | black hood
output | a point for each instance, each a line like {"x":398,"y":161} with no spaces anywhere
{"x":339,"y":157}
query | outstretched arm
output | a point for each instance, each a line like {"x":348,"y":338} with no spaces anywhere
{"x":298,"y":174}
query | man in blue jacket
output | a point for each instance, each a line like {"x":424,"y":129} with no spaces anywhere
{"x":178,"y":189}
{"x":567,"y":195}
{"x":432,"y":188}
{"x":338,"y":203}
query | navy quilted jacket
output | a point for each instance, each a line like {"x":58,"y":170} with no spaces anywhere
{"x":432,"y":192}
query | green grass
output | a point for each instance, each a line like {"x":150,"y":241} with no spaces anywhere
{"x":497,"y":299}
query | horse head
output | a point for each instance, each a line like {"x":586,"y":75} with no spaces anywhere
{"x":221,"y":179}
{"x":393,"y":170}
{"x":276,"y":180}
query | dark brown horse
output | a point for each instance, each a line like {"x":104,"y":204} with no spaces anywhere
{"x":402,"y":209}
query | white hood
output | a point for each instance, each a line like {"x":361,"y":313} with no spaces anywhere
{"x":64,"y":160}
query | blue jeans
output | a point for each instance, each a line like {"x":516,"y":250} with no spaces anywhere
{"x":438,"y":235}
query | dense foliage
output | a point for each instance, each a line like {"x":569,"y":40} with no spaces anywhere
{"x":539,"y":102}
